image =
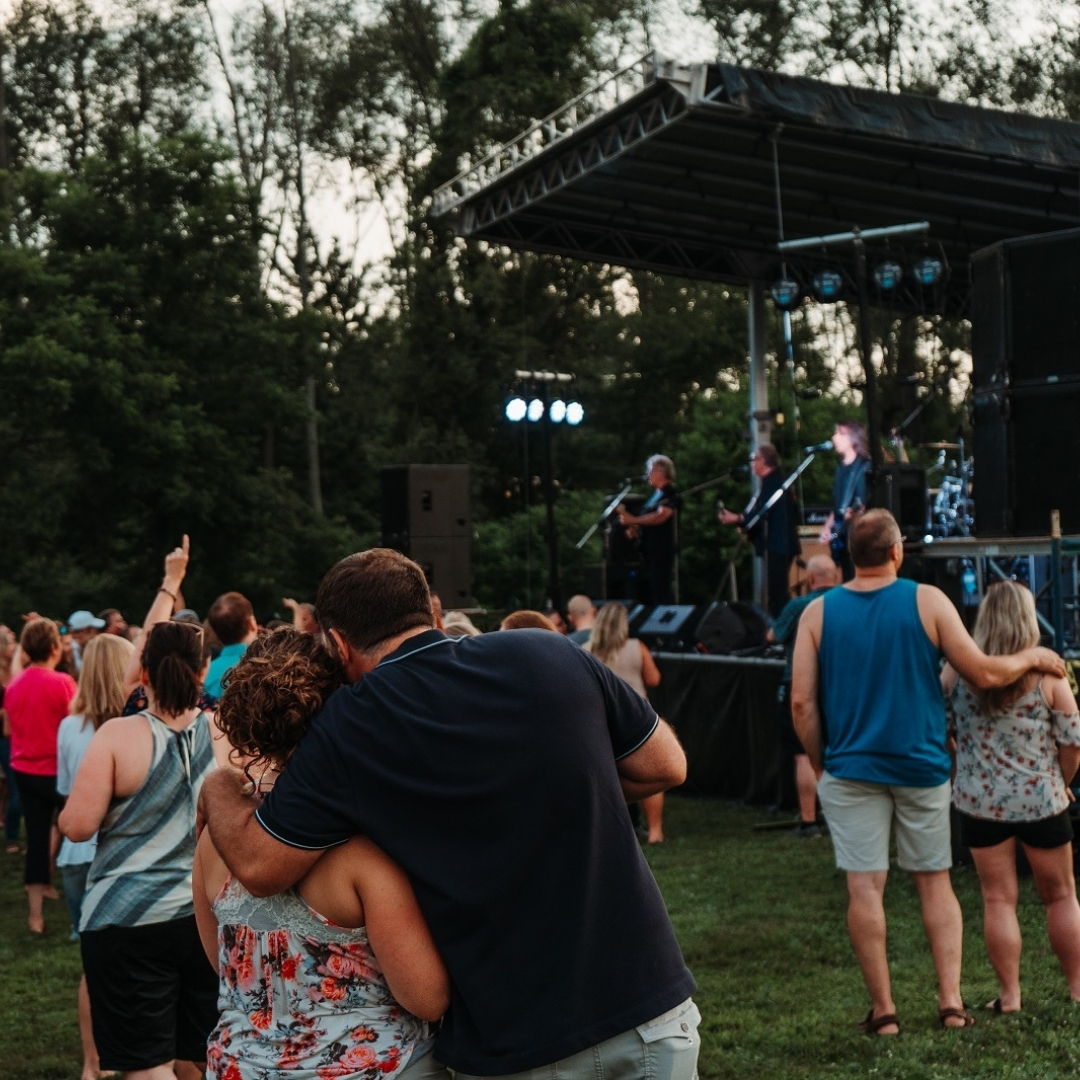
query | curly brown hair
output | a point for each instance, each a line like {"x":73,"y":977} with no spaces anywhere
{"x":273,"y":694}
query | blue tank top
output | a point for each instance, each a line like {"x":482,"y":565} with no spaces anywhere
{"x":881,"y":698}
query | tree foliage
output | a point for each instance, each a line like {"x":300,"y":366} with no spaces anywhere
{"x":173,"y":290}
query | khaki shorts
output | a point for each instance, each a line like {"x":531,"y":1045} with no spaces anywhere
{"x":860,"y":816}
{"x":665,"y":1048}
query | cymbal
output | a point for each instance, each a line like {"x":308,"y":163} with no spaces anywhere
{"x":939,"y":446}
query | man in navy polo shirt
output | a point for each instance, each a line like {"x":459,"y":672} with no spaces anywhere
{"x":495,"y":770}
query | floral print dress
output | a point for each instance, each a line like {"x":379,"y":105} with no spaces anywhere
{"x":302,"y":998}
{"x":1006,"y":763}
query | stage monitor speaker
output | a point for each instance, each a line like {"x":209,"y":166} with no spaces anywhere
{"x":726,"y":628}
{"x":446,"y":565}
{"x":901,"y":489}
{"x":1025,"y":345}
{"x":668,"y":627}
{"x":424,"y":500}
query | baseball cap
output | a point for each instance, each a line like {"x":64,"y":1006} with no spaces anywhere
{"x":84,"y":620}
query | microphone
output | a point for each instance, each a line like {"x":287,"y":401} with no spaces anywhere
{"x":741,"y":469}
{"x":827,"y":445}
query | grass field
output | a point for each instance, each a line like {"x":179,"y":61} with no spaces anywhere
{"x":761,"y":920}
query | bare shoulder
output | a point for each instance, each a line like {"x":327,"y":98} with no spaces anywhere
{"x":812,"y":618}
{"x":1058,"y":694}
{"x":119,"y":732}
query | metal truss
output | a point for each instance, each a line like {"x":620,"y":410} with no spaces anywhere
{"x":623,"y":130}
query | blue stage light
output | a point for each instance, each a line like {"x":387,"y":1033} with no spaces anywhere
{"x":536,"y":410}
{"x":888,"y":275}
{"x":927,"y":271}
{"x":828,"y":285}
{"x":786,"y":294}
{"x":575,"y":413}
{"x":557,"y":411}
{"x":515,"y":409}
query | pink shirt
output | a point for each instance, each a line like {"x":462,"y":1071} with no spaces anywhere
{"x":36,"y":700}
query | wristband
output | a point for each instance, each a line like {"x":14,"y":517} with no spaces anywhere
{"x":167,"y":592}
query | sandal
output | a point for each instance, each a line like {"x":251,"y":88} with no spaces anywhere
{"x":872,"y":1025}
{"x":959,"y":1014}
{"x":996,"y":1008}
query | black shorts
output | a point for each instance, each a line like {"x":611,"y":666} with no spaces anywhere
{"x":1046,"y":833}
{"x":153,"y":993}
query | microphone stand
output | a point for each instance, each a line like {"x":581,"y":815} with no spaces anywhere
{"x":605,"y":514}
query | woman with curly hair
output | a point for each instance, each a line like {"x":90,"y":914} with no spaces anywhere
{"x":338,"y":976}
{"x":1017,"y":750}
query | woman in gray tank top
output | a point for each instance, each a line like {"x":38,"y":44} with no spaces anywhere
{"x":153,"y":995}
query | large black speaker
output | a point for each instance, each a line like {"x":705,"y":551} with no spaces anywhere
{"x":901,"y":489}
{"x":425,"y":515}
{"x":730,"y":627}
{"x":1025,"y":345}
{"x":668,"y":627}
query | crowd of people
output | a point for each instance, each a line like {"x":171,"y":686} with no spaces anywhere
{"x":417,"y":854}
{"x":190,"y":965}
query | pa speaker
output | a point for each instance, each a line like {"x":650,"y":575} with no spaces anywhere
{"x":668,"y":628}
{"x":726,"y":628}
{"x":1025,"y":345}
{"x":901,"y":489}
{"x":446,"y":565}
{"x":424,"y":500}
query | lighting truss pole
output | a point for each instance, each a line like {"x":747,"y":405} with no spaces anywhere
{"x":538,"y":384}
{"x":857,"y":238}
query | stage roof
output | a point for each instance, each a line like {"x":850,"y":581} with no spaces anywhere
{"x":677,"y":168}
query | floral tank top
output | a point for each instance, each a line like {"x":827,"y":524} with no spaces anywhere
{"x":301,"y":998}
{"x":1006,"y":763}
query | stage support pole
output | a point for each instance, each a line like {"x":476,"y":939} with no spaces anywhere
{"x":760,"y":416}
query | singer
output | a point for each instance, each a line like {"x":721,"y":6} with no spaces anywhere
{"x":658,"y":525}
{"x":774,"y":533}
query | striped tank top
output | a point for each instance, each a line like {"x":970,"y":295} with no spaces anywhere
{"x":141,"y":872}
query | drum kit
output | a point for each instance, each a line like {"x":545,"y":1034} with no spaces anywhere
{"x":950,"y":508}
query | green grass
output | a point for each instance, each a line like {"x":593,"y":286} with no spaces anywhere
{"x":761,"y":920}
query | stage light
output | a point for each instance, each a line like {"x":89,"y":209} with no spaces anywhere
{"x":575,"y":413}
{"x":536,"y":410}
{"x":888,"y":275}
{"x":828,"y":285}
{"x":786,"y":294}
{"x":515,"y":409}
{"x":927,"y":271}
{"x":557,"y":411}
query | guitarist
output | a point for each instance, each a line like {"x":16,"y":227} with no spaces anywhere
{"x":773,"y":532}
{"x":656,"y":525}
{"x":849,"y":490}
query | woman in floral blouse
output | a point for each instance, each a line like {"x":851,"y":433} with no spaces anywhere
{"x":1017,"y":748}
{"x":336,"y":978}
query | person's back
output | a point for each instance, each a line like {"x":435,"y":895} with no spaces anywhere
{"x":880,"y":692}
{"x":546,"y":912}
{"x":301,"y":986}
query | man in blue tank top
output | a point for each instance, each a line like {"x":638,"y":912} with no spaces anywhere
{"x":868,"y":708}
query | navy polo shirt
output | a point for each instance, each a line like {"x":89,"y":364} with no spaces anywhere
{"x":485,"y":766}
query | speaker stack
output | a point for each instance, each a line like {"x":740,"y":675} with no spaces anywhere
{"x":425,"y":515}
{"x":1025,"y":346}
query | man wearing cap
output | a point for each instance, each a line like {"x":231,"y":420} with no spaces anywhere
{"x":82,"y":626}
